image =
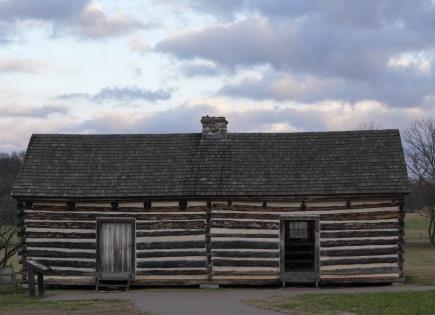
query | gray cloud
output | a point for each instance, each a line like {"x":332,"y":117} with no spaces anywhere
{"x":186,"y":118}
{"x":397,"y":89}
{"x":345,"y":48}
{"x":200,"y":69}
{"x":94,"y":23}
{"x":312,"y":47}
{"x":80,"y":17}
{"x":31,"y":111}
{"x":125,"y":94}
{"x":351,"y":13}
{"x":11,"y":10}
{"x":179,"y":119}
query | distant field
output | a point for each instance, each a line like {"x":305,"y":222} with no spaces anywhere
{"x":419,"y":256}
{"x":416,"y":228}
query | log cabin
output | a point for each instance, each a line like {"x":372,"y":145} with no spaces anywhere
{"x":215,"y":207}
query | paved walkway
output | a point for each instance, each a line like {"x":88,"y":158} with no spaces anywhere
{"x":212,"y":301}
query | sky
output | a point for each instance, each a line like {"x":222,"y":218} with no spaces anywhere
{"x":157,"y":66}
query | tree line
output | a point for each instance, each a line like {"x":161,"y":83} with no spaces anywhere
{"x":9,"y":165}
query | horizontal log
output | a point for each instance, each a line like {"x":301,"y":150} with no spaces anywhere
{"x":140,"y":233}
{"x":162,"y":225}
{"x":378,"y":215}
{"x":358,"y":242}
{"x":350,"y":261}
{"x":55,"y":235}
{"x":67,"y":263}
{"x":358,"y":226}
{"x":222,"y":206}
{"x":245,"y":263}
{"x":187,"y":253}
{"x":62,"y":225}
{"x":375,"y":215}
{"x":359,"y":271}
{"x":35,"y":215}
{"x":68,"y":273}
{"x":352,"y":280}
{"x":59,"y":254}
{"x":244,"y":244}
{"x":359,"y":252}
{"x":233,"y":224}
{"x":119,"y":209}
{"x":71,"y":245}
{"x":245,"y":215}
{"x":171,"y":272}
{"x":246,"y":254}
{"x":171,"y":245}
{"x":365,"y":233}
{"x":247,"y":235}
{"x":246,"y":273}
{"x":185,"y":263}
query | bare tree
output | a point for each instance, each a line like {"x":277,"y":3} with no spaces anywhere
{"x":420,"y":154}
{"x":7,"y":248}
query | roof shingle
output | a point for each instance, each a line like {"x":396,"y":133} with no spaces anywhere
{"x":242,"y":164}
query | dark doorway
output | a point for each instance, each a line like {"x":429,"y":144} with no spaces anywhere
{"x":299,"y":246}
{"x":299,"y":249}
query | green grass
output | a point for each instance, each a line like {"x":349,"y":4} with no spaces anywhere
{"x":419,"y":264}
{"x":398,"y":303}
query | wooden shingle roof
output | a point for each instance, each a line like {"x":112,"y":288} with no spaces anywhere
{"x":189,"y":165}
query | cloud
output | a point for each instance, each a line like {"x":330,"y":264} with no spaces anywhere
{"x":200,"y":68}
{"x":32,"y":111}
{"x":331,"y":115}
{"x":130,"y":93}
{"x":139,"y":45}
{"x":94,"y":23}
{"x":80,"y":17}
{"x":18,"y":65}
{"x":341,"y":50}
{"x":399,"y":88}
{"x":11,"y":10}
{"x":325,"y":115}
{"x":310,"y":46}
{"x":280,"y":87}
{"x":349,"y":13}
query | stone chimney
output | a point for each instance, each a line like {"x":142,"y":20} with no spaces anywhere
{"x":214,"y":127}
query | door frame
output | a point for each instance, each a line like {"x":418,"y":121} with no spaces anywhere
{"x":132,"y":221}
{"x":300,"y":276}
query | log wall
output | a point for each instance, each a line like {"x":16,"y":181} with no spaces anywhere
{"x":227,"y":243}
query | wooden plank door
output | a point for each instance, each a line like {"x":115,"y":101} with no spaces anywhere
{"x":115,"y":246}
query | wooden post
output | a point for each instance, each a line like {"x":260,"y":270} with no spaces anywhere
{"x":31,"y":281}
{"x":32,"y":268}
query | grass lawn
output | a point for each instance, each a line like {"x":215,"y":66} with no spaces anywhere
{"x":21,"y":304}
{"x":397,"y":303}
{"x":419,"y":256}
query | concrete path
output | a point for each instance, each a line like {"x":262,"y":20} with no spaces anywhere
{"x":212,"y":301}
